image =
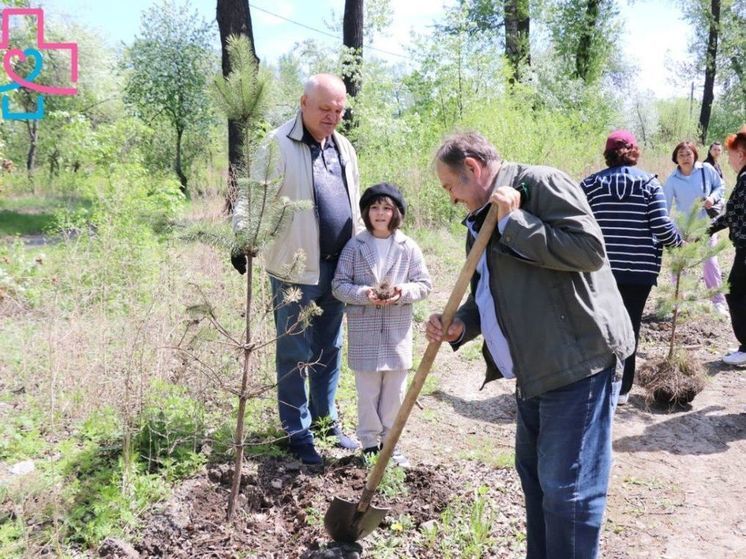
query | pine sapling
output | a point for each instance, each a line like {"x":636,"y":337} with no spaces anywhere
{"x":260,"y":214}
{"x":678,"y":378}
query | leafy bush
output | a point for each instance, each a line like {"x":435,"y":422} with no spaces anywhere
{"x":170,"y":431}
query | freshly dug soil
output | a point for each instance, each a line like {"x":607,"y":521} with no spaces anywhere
{"x":676,"y":489}
{"x":282,"y":504}
{"x":384,"y":290}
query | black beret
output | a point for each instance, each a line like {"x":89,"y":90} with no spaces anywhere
{"x":383,"y":189}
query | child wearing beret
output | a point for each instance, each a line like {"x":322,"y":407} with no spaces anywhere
{"x":380,"y":273}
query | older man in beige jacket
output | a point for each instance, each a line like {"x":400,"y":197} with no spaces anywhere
{"x":317,"y":164}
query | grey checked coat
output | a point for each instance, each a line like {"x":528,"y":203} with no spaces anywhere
{"x":380,"y":338}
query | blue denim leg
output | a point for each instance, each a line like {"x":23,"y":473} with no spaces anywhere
{"x":319,"y":344}
{"x":326,"y":347}
{"x":563,"y":457}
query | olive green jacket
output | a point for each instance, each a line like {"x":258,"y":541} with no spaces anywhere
{"x":555,"y":296}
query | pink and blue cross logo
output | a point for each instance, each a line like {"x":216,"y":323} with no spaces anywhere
{"x":12,"y":56}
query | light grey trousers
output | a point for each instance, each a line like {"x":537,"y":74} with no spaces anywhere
{"x":379,"y":397}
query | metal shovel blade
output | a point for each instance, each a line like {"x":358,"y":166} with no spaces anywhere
{"x":344,"y":523}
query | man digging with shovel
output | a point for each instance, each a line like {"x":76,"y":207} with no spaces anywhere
{"x":544,"y":298}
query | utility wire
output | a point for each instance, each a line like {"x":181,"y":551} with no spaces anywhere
{"x":299,"y":24}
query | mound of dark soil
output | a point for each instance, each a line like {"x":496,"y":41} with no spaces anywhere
{"x":282,"y":505}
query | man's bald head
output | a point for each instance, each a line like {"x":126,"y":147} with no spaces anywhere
{"x":322,"y":104}
{"x":324,"y":82}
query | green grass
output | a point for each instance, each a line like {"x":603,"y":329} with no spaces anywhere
{"x":33,"y":215}
{"x":14,"y":223}
{"x":480,"y":449}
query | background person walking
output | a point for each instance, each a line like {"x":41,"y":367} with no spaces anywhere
{"x":630,"y":208}
{"x":713,"y":157}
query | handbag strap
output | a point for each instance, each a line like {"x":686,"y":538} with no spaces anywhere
{"x":704,"y":185}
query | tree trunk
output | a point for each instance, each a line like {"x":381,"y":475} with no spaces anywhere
{"x":352,"y":38}
{"x":243,"y":396}
{"x":234,"y":18}
{"x":738,"y":69}
{"x":33,"y":135}
{"x":710,"y":69}
{"x":517,"y":28}
{"x":584,"y":54}
{"x":177,"y":164}
{"x":677,"y":302}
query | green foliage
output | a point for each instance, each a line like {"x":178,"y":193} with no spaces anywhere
{"x":465,"y":525}
{"x":168,"y":65}
{"x":171,"y":430}
{"x":242,"y":96}
{"x":676,"y":121}
{"x":393,"y":482}
{"x":456,"y":70}
{"x":17,"y":223}
{"x":693,"y":230}
{"x":102,"y":426}
{"x":583,"y":34}
{"x":18,"y":268}
{"x":90,"y":491}
{"x":63,"y":139}
{"x":99,"y":505}
{"x":21,"y":438}
{"x":682,"y":260}
{"x":390,"y":543}
{"x":12,"y":532}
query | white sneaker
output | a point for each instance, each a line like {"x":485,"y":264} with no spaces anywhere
{"x":722,"y":309}
{"x":622,"y":399}
{"x":737,"y":358}
{"x":400,"y":460}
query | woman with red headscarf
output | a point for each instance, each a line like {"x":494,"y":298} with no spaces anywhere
{"x":629,"y":206}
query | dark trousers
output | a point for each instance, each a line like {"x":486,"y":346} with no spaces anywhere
{"x":737,"y":297}
{"x":634,"y":297}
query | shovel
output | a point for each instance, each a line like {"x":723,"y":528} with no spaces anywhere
{"x":346,"y":521}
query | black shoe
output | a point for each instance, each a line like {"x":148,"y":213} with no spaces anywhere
{"x":306,"y":453}
{"x":371,"y":450}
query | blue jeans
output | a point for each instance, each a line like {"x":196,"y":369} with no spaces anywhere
{"x":313,"y":353}
{"x":563,"y":457}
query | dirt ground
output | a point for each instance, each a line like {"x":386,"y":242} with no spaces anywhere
{"x":676,"y":492}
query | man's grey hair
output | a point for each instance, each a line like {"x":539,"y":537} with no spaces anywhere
{"x":318,"y":79}
{"x":457,"y":147}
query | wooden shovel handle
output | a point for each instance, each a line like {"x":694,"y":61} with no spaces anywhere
{"x":376,"y":474}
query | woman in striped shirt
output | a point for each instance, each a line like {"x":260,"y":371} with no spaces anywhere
{"x":630,"y":208}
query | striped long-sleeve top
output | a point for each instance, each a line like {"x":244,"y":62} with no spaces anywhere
{"x":631,"y":210}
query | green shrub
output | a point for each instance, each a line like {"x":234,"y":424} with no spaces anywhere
{"x":170,"y":431}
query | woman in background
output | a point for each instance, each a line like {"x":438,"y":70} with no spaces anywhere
{"x":713,"y":154}
{"x":629,"y":206}
{"x":697,"y":184}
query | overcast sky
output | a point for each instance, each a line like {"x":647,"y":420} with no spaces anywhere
{"x":655,"y":37}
